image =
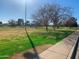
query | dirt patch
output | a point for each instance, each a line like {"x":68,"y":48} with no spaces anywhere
{"x":30,"y":53}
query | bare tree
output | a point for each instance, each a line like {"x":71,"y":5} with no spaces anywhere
{"x":58,"y":14}
{"x":12,"y":22}
{"x":41,"y":17}
{"x":52,"y":12}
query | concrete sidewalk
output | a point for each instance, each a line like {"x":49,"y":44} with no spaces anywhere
{"x":62,"y":50}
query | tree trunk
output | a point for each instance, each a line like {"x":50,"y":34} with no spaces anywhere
{"x":58,"y":27}
{"x":46,"y":28}
{"x":54,"y":28}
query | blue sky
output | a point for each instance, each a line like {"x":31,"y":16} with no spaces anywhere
{"x":14,"y":9}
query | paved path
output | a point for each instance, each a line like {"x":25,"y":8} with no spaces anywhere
{"x":62,"y":50}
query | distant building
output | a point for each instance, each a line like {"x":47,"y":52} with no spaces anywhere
{"x":0,"y":22}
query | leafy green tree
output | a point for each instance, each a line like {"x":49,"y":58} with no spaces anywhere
{"x":71,"y":22}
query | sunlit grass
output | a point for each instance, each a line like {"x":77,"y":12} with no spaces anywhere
{"x":17,"y":43}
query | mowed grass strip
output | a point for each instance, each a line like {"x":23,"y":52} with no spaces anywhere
{"x":18,"y":43}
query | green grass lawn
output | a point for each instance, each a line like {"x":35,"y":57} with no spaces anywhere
{"x":16,"y":44}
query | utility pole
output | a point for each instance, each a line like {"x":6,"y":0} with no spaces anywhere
{"x":30,"y":40}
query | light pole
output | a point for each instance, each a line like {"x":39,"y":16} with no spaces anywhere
{"x":30,"y":40}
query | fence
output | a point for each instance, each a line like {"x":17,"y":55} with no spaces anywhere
{"x":75,"y":51}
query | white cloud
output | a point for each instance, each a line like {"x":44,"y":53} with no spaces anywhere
{"x":31,"y":2}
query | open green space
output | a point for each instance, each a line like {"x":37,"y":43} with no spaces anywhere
{"x":18,"y":43}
